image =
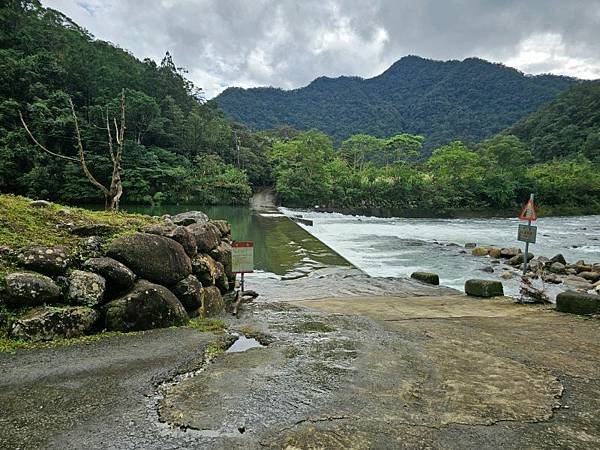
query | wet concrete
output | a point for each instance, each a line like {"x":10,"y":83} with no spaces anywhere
{"x":431,"y":371}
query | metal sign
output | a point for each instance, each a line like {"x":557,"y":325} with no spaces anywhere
{"x":528,"y":211}
{"x":527,"y":233}
{"x":242,"y":257}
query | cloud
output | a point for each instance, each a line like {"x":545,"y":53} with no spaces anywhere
{"x":288,"y":43}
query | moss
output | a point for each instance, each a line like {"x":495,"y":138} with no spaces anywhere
{"x":313,"y":327}
{"x":214,"y":350}
{"x":23,"y":226}
{"x":207,"y":325}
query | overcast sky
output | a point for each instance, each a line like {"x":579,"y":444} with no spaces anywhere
{"x":289,"y":43}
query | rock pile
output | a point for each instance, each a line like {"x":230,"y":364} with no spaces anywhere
{"x":157,"y":277}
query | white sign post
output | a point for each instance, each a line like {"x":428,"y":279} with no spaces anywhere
{"x":242,"y":259}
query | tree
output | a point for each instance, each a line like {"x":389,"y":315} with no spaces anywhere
{"x":113,"y":193}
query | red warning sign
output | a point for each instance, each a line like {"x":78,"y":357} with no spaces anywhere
{"x":528,"y":212}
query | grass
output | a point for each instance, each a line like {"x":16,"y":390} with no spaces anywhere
{"x":207,"y":324}
{"x":9,"y":345}
{"x":23,"y":226}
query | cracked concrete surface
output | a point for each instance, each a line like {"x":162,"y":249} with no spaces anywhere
{"x":438,"y":371}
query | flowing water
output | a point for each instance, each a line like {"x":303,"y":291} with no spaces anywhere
{"x":391,"y":247}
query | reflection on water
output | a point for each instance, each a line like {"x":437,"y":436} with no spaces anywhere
{"x":280,"y":246}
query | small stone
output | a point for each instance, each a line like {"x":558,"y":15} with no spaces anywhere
{"x":484,"y":288}
{"x":40,"y":204}
{"x":487,"y":269}
{"x":506,"y":275}
{"x":426,"y":277}
{"x":470,"y":245}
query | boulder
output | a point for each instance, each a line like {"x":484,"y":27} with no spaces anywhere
{"x":118,"y":276}
{"x":50,"y":261}
{"x":178,"y":233}
{"x":590,"y":276}
{"x":190,"y":293}
{"x":207,"y":236}
{"x":559,"y":259}
{"x":92,"y":245}
{"x":49,"y":323}
{"x":86,"y":288}
{"x":40,"y":204}
{"x":484,"y":288}
{"x":145,"y":307}
{"x":582,"y":267}
{"x":426,"y":277}
{"x":578,"y":303}
{"x":30,"y":289}
{"x":508,"y":253}
{"x":495,"y":252}
{"x":189,"y":218}
{"x":205,"y":268}
{"x":155,"y":258}
{"x":470,"y":245}
{"x":551,"y":278}
{"x":221,"y":280}
{"x":557,"y":267}
{"x":222,"y":254}
{"x":224,"y":227}
{"x":479,"y":251}
{"x":213,"y":302}
{"x":520,"y":258}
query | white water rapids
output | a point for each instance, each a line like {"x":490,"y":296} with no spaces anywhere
{"x":396,"y":247}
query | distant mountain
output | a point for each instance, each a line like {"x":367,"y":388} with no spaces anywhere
{"x":567,"y":126}
{"x":442,"y":100}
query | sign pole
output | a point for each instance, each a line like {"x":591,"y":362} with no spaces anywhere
{"x":527,"y":244}
{"x":242,"y":282}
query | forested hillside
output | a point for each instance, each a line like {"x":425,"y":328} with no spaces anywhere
{"x":568,"y":126}
{"x":178,"y":148}
{"x":443,"y":101}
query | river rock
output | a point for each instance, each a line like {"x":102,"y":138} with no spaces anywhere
{"x":189,"y":218}
{"x":590,"y":276}
{"x":426,"y":277}
{"x":580,"y":266}
{"x":557,"y":267}
{"x":558,"y":259}
{"x":470,"y":245}
{"x":222,"y":254}
{"x":145,"y":307}
{"x":86,"y":288}
{"x":487,"y":269}
{"x":152,"y":257}
{"x":190,"y":293}
{"x":520,"y":258}
{"x":207,"y":236}
{"x":94,"y":229}
{"x":484,"y":288}
{"x":507,"y":275}
{"x":494,"y":252}
{"x":508,"y":253}
{"x":40,"y":204}
{"x":49,"y":323}
{"x":479,"y":251}
{"x":213,"y":302}
{"x":205,"y":269}
{"x":117,"y":275}
{"x":50,"y":261}
{"x":551,"y":278}
{"x":224,"y":228}
{"x":178,"y":233}
{"x":578,"y":303}
{"x":30,"y":289}
{"x":91,"y":245}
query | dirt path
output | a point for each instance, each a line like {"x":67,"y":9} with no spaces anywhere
{"x":444,"y":371}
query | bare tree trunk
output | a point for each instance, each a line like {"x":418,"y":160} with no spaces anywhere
{"x":112,"y":195}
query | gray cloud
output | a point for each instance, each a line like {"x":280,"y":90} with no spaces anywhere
{"x":288,"y":43}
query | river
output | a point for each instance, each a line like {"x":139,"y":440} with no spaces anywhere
{"x":394,"y":246}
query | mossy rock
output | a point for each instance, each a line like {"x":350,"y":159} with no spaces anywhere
{"x":480,"y":251}
{"x":426,"y":277}
{"x":578,"y":303}
{"x":484,"y":288}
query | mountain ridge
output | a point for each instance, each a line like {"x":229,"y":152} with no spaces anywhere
{"x":444,"y":100}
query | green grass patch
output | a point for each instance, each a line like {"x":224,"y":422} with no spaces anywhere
{"x":207,"y":324}
{"x":10,"y":345}
{"x":23,"y":226}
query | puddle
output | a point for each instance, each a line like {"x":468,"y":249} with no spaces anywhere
{"x":242,"y":344}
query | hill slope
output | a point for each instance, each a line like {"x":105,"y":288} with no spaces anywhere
{"x":566,"y":126}
{"x":444,"y":101}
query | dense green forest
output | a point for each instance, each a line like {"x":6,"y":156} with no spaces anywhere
{"x":466,"y":100}
{"x":178,"y":147}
